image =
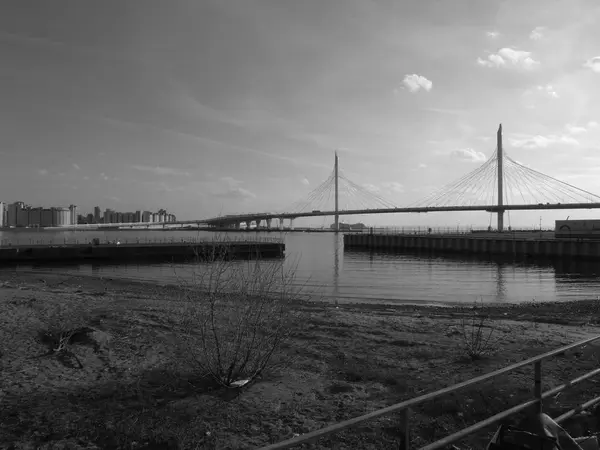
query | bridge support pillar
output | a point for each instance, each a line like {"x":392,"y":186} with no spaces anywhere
{"x":501,"y":221}
{"x":236,"y":225}
{"x":291,"y":223}
{"x":268,"y":221}
{"x":248,"y":223}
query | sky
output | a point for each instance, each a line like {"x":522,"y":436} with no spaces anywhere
{"x":220,"y":106}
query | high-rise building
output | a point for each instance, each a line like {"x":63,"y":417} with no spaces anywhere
{"x":12,"y":213}
{"x":73,"y":212}
{"x":146,"y":216}
{"x":22,"y":216}
{"x":35,"y":217}
{"x":2,"y":214}
{"x":47,"y":217}
{"x":109,"y":216}
{"x":97,"y":214}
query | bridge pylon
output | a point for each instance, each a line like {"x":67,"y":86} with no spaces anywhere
{"x":499,"y":156}
{"x":336,"y":221}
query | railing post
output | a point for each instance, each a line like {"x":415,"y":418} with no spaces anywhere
{"x":538,"y":385}
{"x":406,"y":429}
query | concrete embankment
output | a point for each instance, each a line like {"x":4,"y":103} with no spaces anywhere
{"x":488,"y":245}
{"x":142,"y":252}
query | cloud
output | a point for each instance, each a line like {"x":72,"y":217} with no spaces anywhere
{"x":114,"y":199}
{"x":509,"y":57}
{"x":104,"y":176}
{"x":492,"y":34}
{"x":389,"y":186}
{"x":468,"y":154}
{"x":531,"y":97}
{"x":548,"y":90}
{"x":164,"y":187}
{"x":371,"y":188}
{"x":538,"y":141}
{"x":236,"y":193}
{"x":592,"y":124}
{"x":43,"y":171}
{"x":415,"y":83}
{"x":574,"y":129}
{"x":593,"y":64}
{"x":422,"y":166}
{"x":76,"y":166}
{"x":393,"y":186}
{"x":230,"y":188}
{"x":305,"y":181}
{"x":537,"y":33}
{"x":162,"y":171}
{"x":86,"y":177}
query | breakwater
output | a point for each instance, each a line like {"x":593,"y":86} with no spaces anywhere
{"x":497,"y":244}
{"x":155,"y":252}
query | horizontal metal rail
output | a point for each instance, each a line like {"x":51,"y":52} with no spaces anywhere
{"x":409,"y":404}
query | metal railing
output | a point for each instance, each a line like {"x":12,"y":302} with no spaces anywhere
{"x":444,"y":230}
{"x":406,"y":406}
{"x":33,"y":242}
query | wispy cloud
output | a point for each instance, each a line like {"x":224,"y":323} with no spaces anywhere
{"x":548,"y":90}
{"x":43,"y":172}
{"x":539,"y":141}
{"x":76,"y":166}
{"x":593,"y":64}
{"x":393,"y":186}
{"x":492,"y":34}
{"x":509,"y":57}
{"x":574,"y":129}
{"x":450,"y":111}
{"x":532,"y":97}
{"x":537,"y":33}
{"x":162,"y":171}
{"x":230,"y":188}
{"x":305,"y":181}
{"x":468,"y":154}
{"x":106,"y":177}
{"x":384,"y":187}
{"x":415,"y":83}
{"x":422,"y":166}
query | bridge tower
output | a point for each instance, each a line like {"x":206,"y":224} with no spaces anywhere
{"x":500,"y":181}
{"x":336,"y":221}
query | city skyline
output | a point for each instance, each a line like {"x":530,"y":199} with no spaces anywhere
{"x":223,"y":108}
{"x":20,"y":214}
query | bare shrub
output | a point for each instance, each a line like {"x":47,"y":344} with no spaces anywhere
{"x":478,"y":332}
{"x":236,"y":315}
{"x":61,"y":322}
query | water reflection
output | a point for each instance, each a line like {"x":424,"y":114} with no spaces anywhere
{"x":323,"y":267}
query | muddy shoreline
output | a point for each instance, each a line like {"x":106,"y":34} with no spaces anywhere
{"x":137,"y":387}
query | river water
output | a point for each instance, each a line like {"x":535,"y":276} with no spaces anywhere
{"x":326,"y":270}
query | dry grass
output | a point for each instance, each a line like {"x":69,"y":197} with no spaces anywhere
{"x":338,"y":363}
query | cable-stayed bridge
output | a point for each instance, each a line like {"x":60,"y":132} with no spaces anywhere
{"x":499,"y":185}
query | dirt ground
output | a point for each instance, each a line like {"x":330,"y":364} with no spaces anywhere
{"x":132,"y":386}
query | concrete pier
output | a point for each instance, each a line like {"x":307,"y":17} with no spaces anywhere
{"x":488,"y":245}
{"x":142,"y":252}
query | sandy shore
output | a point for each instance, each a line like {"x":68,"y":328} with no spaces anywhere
{"x":134,"y":386}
